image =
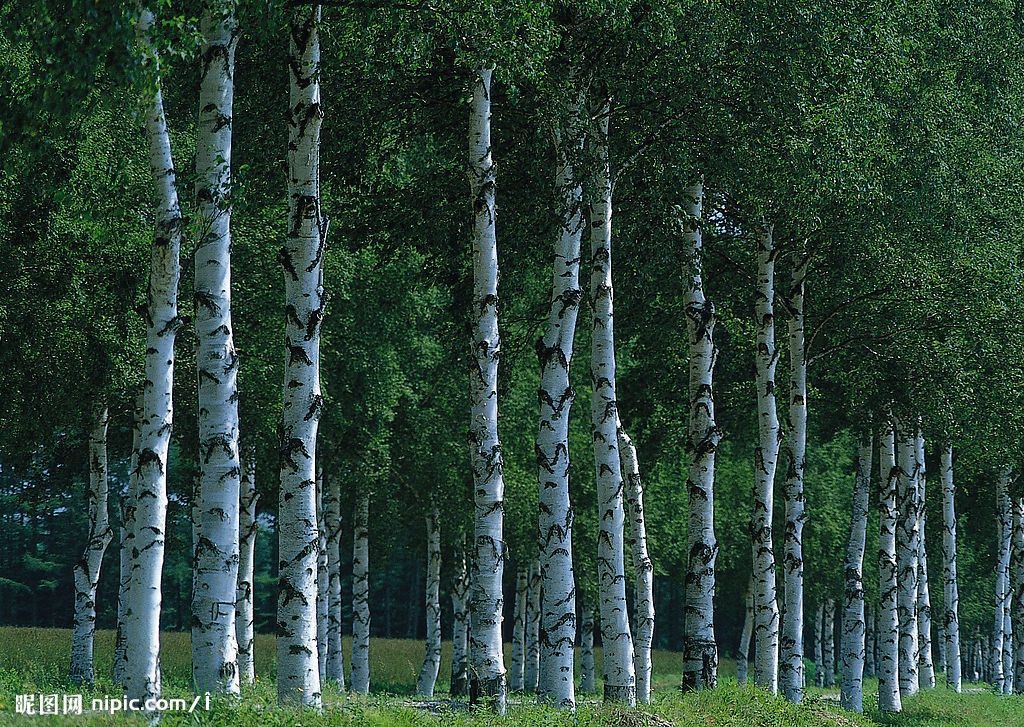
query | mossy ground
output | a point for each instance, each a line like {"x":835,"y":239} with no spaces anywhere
{"x":35,"y":661}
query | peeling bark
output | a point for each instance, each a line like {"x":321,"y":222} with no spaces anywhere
{"x":889,"y":698}
{"x":854,"y":628}
{"x":432,"y":655}
{"x":951,"y":595}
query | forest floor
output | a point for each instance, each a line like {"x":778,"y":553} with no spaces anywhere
{"x":34,"y":661}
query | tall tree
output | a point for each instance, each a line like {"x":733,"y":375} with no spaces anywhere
{"x":889,"y":698}
{"x":950,"y":589}
{"x":432,"y":657}
{"x":854,"y":629}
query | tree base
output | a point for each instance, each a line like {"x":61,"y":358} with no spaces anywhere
{"x":620,"y":695}
{"x":493,"y":692}
{"x":459,"y":686}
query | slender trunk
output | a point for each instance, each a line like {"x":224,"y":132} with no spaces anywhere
{"x":907,"y":535}
{"x":743,"y":660}
{"x":1007,"y":654}
{"x":828,"y":644}
{"x":142,"y":616}
{"x":791,"y":663}
{"x":926,"y":667}
{"x":87,"y":569}
{"x":488,"y":679}
{"x":302,"y":259}
{"x":359,"y":671}
{"x":244,"y":611}
{"x":323,"y":600}
{"x":335,"y":657}
{"x":766,"y":605}
{"x":619,"y":677}
{"x":214,"y":649}
{"x":588,"y":681}
{"x":1003,"y":534}
{"x":432,"y":656}
{"x":554,"y":351}
{"x":870,"y":669}
{"x":819,"y":654}
{"x":700,"y":651}
{"x":889,"y":699}
{"x":517,"y":674}
{"x":951,"y":594}
{"x":460,"y":627}
{"x":978,"y":659}
{"x":643,"y":567}
{"x":1018,"y":595}
{"x":531,"y":670}
{"x":127,"y":538}
{"x":853,"y":631}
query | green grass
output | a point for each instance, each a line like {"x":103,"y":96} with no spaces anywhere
{"x":35,"y":661}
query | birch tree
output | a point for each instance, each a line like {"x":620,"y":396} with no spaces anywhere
{"x":127,"y":538}
{"x":305,"y":300}
{"x":819,"y":645}
{"x":359,"y":671}
{"x":700,"y":652}
{"x":142,"y":615}
{"x":588,"y":678}
{"x":531,"y":670}
{"x":889,"y":698}
{"x":460,"y":626}
{"x":322,"y":595}
{"x":828,"y":642}
{"x":854,"y":628}
{"x":766,"y":455}
{"x":488,"y":679}
{"x":557,"y":631}
{"x":517,"y":674}
{"x":926,"y":668}
{"x":643,"y":567}
{"x":1017,"y":572}
{"x":619,"y":676}
{"x":335,"y":657}
{"x":1004,"y":526}
{"x":87,"y":569}
{"x":907,"y":534}
{"x":214,"y":648}
{"x":791,"y":663}
{"x":743,"y":660}
{"x":432,"y":657}
{"x":248,"y":527}
{"x":950,"y":589}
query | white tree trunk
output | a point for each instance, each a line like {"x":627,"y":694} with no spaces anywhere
{"x":854,"y":628}
{"x":791,"y":663}
{"x":926,"y":667}
{"x":828,"y":642}
{"x":1018,"y":595}
{"x":1003,"y":533}
{"x":323,"y":600}
{"x":588,"y":674}
{"x":517,"y":673}
{"x":460,"y":627}
{"x":531,"y":670}
{"x":766,"y":457}
{"x":554,"y":351}
{"x":432,"y":656}
{"x":951,"y":595}
{"x":214,"y":648}
{"x":127,"y":538}
{"x":907,"y":535}
{"x":142,"y":616}
{"x":619,"y":676}
{"x":87,"y":569}
{"x":700,"y":651}
{"x":1008,"y":631}
{"x":870,"y":670}
{"x":889,"y":699}
{"x":743,"y":660}
{"x":244,"y":610}
{"x":359,"y":671}
{"x":332,"y":510}
{"x":819,"y":643}
{"x":488,"y":679}
{"x":643,"y":567}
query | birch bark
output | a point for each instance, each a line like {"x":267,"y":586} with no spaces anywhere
{"x":460,"y":627}
{"x":1004,"y":526}
{"x":700,"y":651}
{"x":214,"y":648}
{"x":1018,"y":595}
{"x":743,"y":661}
{"x":248,"y":498}
{"x":323,"y":602}
{"x":142,"y":615}
{"x":359,"y":671}
{"x":643,"y":567}
{"x":950,"y":590}
{"x":766,"y":456}
{"x":828,"y":642}
{"x":488,"y":679}
{"x":87,"y":569}
{"x":870,"y":669}
{"x":335,"y":657}
{"x":432,"y":655}
{"x":854,"y":628}
{"x":588,"y":676}
{"x":127,"y":538}
{"x":554,"y":352}
{"x":517,"y":676}
{"x":791,"y":663}
{"x":926,"y":667}
{"x":305,"y":301}
{"x":531,"y":670}
{"x":907,"y":535}
{"x":819,"y":644}
{"x":889,"y":699}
